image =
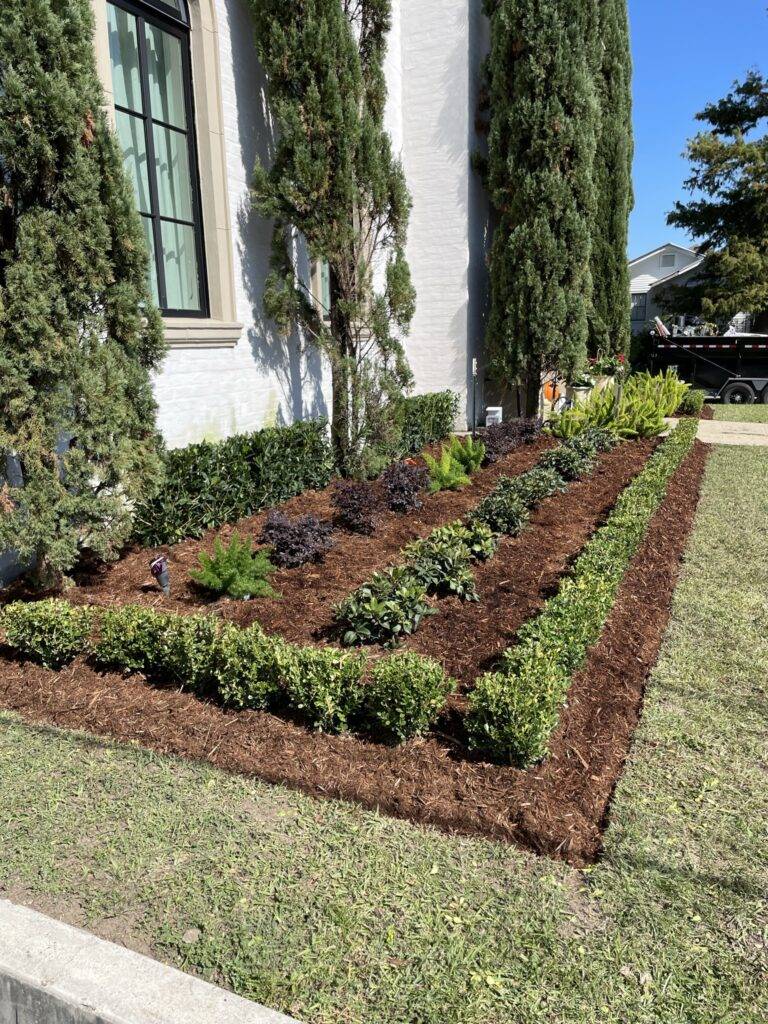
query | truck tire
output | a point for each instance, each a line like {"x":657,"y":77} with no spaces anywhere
{"x":764,"y":397}
{"x":740,"y":393}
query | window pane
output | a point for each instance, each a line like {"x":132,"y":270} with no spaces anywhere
{"x":180,"y":262}
{"x":166,"y":77}
{"x":130,"y":132}
{"x":146,"y":223}
{"x":124,"y":53}
{"x":174,"y":185}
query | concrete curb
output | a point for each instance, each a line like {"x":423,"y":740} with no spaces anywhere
{"x":51,"y":973}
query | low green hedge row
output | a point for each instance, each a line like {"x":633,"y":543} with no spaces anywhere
{"x":209,"y":484}
{"x":513,"y":711}
{"x":333,"y":690}
{"x":392,"y":604}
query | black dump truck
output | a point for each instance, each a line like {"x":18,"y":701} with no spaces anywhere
{"x":731,"y":368}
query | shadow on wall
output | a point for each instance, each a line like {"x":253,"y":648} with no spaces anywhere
{"x":294,"y":363}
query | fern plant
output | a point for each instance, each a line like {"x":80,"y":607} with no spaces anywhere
{"x":469,"y":453}
{"x":235,"y":570}
{"x":445,"y":473}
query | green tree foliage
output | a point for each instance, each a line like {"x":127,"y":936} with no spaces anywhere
{"x":335,"y":181}
{"x":545,"y":119}
{"x":78,"y":332}
{"x":729,"y":212}
{"x":613,"y":182}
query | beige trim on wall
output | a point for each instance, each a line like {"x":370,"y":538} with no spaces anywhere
{"x":222,"y":329}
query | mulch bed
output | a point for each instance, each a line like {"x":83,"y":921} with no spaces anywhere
{"x":557,"y":808}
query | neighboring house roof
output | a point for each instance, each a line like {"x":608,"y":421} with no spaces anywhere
{"x":662,"y":248}
{"x":677,"y":273}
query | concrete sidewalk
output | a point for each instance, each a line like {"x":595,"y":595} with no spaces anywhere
{"x":754,"y":435}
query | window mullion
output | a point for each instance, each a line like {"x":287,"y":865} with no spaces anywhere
{"x":151,"y":164}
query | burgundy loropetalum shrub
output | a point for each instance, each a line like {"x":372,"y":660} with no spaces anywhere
{"x":502,"y":438}
{"x":296,"y":541}
{"x":356,"y":504}
{"x":403,"y":482}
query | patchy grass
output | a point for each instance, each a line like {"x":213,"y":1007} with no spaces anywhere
{"x":340,"y":916}
{"x":741,"y":413}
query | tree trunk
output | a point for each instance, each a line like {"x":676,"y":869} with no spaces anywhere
{"x":532,"y":391}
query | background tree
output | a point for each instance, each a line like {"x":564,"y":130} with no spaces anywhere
{"x":728,"y":215}
{"x":544,"y":120}
{"x":78,"y":332}
{"x":335,"y":181}
{"x":610,"y":324}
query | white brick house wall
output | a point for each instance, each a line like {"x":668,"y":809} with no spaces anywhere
{"x":432,"y":68}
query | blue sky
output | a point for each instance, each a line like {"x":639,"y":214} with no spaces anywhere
{"x":687,"y":53}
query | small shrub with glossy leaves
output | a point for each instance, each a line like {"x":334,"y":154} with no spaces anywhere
{"x":569,"y":462}
{"x":442,"y":564}
{"x":405,"y":695}
{"x":51,"y":632}
{"x":692,"y":403}
{"x":296,"y":540}
{"x":385,"y":610}
{"x":235,"y":570}
{"x":324,"y":685}
{"x":503,"y":511}
{"x":247,"y":668}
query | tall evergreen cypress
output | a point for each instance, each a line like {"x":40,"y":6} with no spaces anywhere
{"x":334,"y":179}
{"x":544,"y":121}
{"x":78,"y":332}
{"x":613,"y":181}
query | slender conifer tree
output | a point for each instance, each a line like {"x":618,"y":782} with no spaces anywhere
{"x":335,"y":182}
{"x":613,"y":181}
{"x":78,"y":331}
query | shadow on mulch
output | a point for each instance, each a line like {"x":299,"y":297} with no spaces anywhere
{"x":557,"y":808}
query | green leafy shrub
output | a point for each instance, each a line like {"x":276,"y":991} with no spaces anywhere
{"x":323,"y":684}
{"x":52,"y":632}
{"x":441,"y":563}
{"x":692,"y":403}
{"x":469,"y":453}
{"x":637,"y":411}
{"x":405,"y":695}
{"x":209,"y":484}
{"x":503,"y":511}
{"x":130,"y":639}
{"x":480,"y":540}
{"x":247,"y":670}
{"x":386,"y":609}
{"x":426,"y":419}
{"x":235,"y":570}
{"x":568,"y":461}
{"x":601,"y":440}
{"x":514,"y":711}
{"x":181,"y":649}
{"x":538,"y":484}
{"x":445,"y":473}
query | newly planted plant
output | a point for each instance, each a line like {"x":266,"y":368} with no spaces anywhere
{"x":445,"y":473}
{"x":385,"y":610}
{"x":51,"y":632}
{"x":441,"y":563}
{"x":296,"y":541}
{"x":235,"y":570}
{"x":405,"y":695}
{"x":469,"y":453}
{"x":356,"y":504}
{"x":502,"y":438}
{"x":569,"y":461}
{"x":403,"y":483}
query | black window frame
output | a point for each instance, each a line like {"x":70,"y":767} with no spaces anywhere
{"x":166,"y":18}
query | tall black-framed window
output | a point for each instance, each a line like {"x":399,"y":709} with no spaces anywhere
{"x":154,"y":112}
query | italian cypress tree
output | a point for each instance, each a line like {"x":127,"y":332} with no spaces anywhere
{"x":335,"y":181}
{"x":544,"y":118}
{"x":613,"y":181}
{"x":78,"y":332}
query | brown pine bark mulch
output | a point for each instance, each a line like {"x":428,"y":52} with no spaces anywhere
{"x":558,"y":808}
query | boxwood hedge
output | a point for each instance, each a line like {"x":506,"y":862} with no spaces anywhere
{"x":514,"y":710}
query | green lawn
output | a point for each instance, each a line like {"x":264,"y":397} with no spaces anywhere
{"x":742,"y":413}
{"x":337,"y":915}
